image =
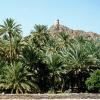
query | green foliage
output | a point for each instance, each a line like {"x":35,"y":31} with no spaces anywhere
{"x":43,"y":63}
{"x":12,"y":31}
{"x":93,"y":82}
{"x":14,"y":79}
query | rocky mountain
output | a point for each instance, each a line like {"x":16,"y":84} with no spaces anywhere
{"x":56,"y":28}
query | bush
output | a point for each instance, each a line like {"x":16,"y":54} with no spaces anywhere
{"x":93,"y":82}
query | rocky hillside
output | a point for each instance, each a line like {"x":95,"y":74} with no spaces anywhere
{"x":56,"y":28}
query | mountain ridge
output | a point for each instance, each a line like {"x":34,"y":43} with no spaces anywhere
{"x":57,"y":28}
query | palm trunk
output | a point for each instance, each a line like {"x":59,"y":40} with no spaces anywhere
{"x":62,"y":86}
{"x":10,"y":47}
{"x":54,"y":83}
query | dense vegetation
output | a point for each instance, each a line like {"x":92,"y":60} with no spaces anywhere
{"x":41,"y":63}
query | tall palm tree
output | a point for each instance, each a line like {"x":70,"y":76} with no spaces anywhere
{"x":55,"y":64}
{"x":39,"y":35}
{"x":10,"y":28}
{"x":40,"y":28}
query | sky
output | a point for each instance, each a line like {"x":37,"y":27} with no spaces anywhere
{"x":75,"y":14}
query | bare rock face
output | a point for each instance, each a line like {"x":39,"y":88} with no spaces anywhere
{"x":57,"y":28}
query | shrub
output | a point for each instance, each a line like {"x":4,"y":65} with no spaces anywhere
{"x":93,"y":82}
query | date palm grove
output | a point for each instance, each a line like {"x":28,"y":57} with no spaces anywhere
{"x":43,"y":63}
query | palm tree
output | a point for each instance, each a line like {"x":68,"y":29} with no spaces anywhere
{"x":39,"y":35}
{"x":54,"y":62}
{"x":40,"y":28}
{"x":34,"y":61}
{"x":17,"y":46}
{"x":55,"y":66}
{"x":15,"y":79}
{"x":10,"y":28}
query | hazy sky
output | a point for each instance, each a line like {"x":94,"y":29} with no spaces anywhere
{"x":76,"y":14}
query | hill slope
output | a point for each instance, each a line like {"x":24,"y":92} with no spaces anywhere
{"x":56,"y":28}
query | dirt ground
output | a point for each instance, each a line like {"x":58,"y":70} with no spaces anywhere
{"x":50,"y":96}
